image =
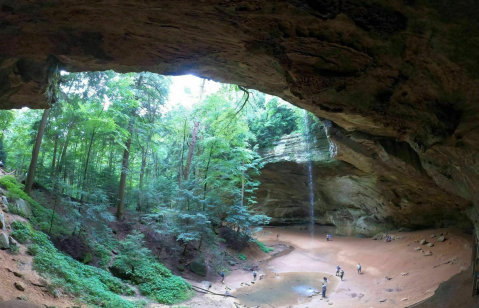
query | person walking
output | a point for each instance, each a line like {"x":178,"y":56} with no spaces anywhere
{"x":327,"y":237}
{"x":254,"y":275}
{"x":324,"y":290}
{"x":338,"y":268}
{"x":341,"y":274}
{"x":359,"y":269}
{"x":222,"y":277}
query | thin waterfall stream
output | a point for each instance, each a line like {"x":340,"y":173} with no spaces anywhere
{"x":310,"y":168}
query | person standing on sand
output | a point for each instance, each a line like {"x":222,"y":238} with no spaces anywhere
{"x":359,"y":269}
{"x":277,"y":237}
{"x":254,"y":275}
{"x":222,"y":277}
{"x":330,"y":237}
{"x":341,"y":274}
{"x":327,"y":237}
{"x":338,"y":268}
{"x":324,"y":290}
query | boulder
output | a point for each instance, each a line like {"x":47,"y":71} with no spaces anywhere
{"x":23,"y":208}
{"x":417,"y":248}
{"x":379,"y":236}
{"x":432,"y":236}
{"x":441,"y":238}
{"x":20,"y":286}
{"x":198,"y":266}
{"x":4,"y":204}
{"x":423,"y":242}
{"x":4,"y":243}
{"x":430,"y":244}
{"x":119,"y":272}
{"x":206,"y":284}
{"x":19,"y":304}
{"x":2,"y":221}
{"x":427,"y":254}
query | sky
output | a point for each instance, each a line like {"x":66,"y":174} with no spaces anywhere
{"x":178,"y":95}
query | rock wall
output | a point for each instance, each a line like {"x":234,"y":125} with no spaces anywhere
{"x":396,"y":77}
{"x":364,"y":187}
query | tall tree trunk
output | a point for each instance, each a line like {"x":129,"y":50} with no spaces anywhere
{"x":242,"y":184}
{"x":85,"y":171}
{"x":144,"y":155}
{"x":36,"y":150}
{"x":206,"y":176}
{"x":124,"y":172}
{"x":54,"y":159}
{"x":181,"y":160}
{"x":191,"y":150}
{"x":64,"y":153}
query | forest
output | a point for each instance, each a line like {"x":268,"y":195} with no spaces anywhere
{"x":123,"y":178}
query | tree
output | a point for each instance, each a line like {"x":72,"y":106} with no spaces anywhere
{"x":36,"y":150}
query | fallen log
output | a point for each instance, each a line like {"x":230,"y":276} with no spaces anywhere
{"x":212,"y":292}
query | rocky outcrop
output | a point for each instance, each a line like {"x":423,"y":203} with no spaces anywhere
{"x":4,"y":242}
{"x":22,"y":208}
{"x":370,"y":186}
{"x":399,"y":77}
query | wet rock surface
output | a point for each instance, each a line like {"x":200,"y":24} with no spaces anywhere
{"x":398,"y":80}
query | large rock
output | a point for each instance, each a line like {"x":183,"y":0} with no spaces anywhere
{"x":4,"y":243}
{"x":19,"y":304}
{"x":22,"y":208}
{"x":403,"y":105}
{"x":2,"y":221}
{"x":198,"y":266}
{"x":4,"y":204}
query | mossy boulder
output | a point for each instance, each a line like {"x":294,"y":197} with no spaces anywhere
{"x":198,"y":266}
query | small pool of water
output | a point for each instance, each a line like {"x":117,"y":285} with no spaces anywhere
{"x":282,"y":290}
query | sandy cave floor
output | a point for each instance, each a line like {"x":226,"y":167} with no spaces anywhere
{"x":378,"y":259}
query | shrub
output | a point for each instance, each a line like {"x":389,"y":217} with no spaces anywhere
{"x":242,"y":256}
{"x":92,"y":285}
{"x":263,"y":247}
{"x":153,"y":279}
{"x":40,"y":214}
{"x":33,"y":249}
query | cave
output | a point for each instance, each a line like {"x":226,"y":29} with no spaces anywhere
{"x":395,"y":82}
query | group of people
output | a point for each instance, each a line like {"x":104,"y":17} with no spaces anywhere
{"x":340,"y":271}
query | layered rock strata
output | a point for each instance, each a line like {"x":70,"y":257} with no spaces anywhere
{"x":399,"y":75}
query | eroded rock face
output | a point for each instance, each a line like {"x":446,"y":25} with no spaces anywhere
{"x":370,"y":186}
{"x":404,"y":73}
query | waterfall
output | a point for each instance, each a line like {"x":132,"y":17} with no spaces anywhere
{"x":310,"y":168}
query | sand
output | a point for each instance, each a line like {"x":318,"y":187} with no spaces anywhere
{"x":379,"y":259}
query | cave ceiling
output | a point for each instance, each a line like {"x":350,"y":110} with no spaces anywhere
{"x":402,"y":70}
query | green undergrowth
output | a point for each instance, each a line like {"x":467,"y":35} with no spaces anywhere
{"x":41,"y":216}
{"x":94,"y":286}
{"x":91,"y":285}
{"x":242,"y":256}
{"x":154,"y":280}
{"x":263,"y":247}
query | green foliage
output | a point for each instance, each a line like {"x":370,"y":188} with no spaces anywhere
{"x":273,"y":123}
{"x":41,"y":216}
{"x":242,"y":256}
{"x":104,"y":254}
{"x":153,"y":279}
{"x":14,"y":249}
{"x":33,"y":249}
{"x":94,"y":286}
{"x":263,"y":247}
